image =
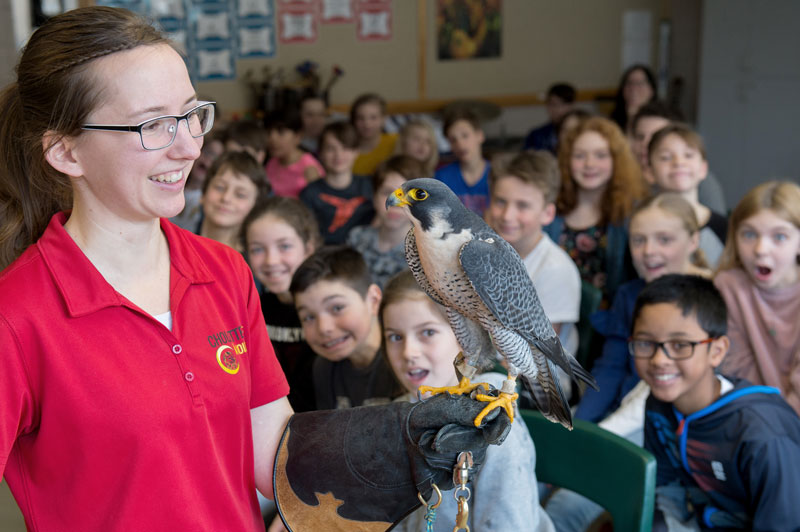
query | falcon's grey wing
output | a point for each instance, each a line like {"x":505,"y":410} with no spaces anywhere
{"x":498,"y":276}
{"x":412,"y":258}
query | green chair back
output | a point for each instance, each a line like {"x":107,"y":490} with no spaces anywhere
{"x":590,"y":302}
{"x":608,"y":469}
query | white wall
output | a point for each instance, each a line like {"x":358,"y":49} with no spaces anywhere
{"x":749,"y":90}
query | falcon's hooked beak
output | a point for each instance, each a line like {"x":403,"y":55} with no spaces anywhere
{"x":397,"y":199}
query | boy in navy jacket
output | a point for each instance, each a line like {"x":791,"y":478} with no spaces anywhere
{"x":728,"y":452}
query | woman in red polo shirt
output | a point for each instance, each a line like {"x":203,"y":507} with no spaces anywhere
{"x":139,"y":389}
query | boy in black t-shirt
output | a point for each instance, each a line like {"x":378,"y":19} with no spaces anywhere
{"x":337,"y":303}
{"x":340,"y":200}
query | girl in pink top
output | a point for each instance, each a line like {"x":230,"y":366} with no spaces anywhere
{"x":289,"y":168}
{"x":759,"y":277}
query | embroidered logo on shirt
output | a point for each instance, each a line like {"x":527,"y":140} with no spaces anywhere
{"x":227,"y":359}
{"x":344,"y":209}
{"x":229,"y":344}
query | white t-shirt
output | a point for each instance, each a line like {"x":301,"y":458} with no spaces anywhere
{"x":558,"y":285}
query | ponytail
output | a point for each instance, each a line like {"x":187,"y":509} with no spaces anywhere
{"x":26,"y":204}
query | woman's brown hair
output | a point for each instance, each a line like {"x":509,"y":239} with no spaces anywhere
{"x":403,"y":165}
{"x":626,"y":186}
{"x":54,"y":92}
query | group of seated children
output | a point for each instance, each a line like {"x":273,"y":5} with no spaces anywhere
{"x":636,"y":217}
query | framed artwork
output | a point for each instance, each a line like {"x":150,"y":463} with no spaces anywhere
{"x":468,"y":29}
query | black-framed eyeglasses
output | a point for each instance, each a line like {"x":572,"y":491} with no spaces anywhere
{"x":158,"y":133}
{"x":674,"y":349}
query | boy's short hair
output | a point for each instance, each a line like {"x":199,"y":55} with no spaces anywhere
{"x":458,"y":114}
{"x":534,"y":167}
{"x":286,"y":118}
{"x":242,"y":163}
{"x":333,"y":263}
{"x":563,"y":91}
{"x":246,"y":133}
{"x":655,"y":109}
{"x":403,"y":165}
{"x":689,"y":136}
{"x":692,"y":294}
{"x":342,"y":131}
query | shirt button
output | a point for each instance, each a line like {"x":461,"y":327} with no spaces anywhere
{"x":189,"y":376}
{"x":177,"y":349}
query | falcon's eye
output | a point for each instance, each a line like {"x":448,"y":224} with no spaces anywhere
{"x":418,"y":194}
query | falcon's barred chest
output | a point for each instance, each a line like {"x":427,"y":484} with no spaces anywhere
{"x":439,"y":260}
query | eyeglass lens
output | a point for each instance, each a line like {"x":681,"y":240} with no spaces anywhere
{"x":160,"y":132}
{"x":675,"y":349}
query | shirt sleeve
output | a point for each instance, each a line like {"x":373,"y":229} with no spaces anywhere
{"x":628,"y":420}
{"x":658,"y":436}
{"x":770,"y":468}
{"x":313,"y":162}
{"x":558,"y":286}
{"x":17,"y":405}
{"x":611,"y":368}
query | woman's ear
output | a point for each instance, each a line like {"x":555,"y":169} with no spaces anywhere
{"x":59,"y":153}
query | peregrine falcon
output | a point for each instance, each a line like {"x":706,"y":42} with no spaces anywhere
{"x":491,"y":304}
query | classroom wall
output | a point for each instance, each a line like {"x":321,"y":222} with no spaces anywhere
{"x":543,"y":41}
{"x":8,"y":48}
{"x":749,"y":85}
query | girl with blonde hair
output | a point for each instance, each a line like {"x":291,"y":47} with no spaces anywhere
{"x":759,"y":278}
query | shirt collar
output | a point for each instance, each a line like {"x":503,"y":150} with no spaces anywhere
{"x":83,"y":287}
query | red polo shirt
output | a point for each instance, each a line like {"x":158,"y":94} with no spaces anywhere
{"x":110,"y":421}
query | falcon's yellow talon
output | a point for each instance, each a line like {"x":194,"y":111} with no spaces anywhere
{"x":463,"y":387}
{"x":506,"y":401}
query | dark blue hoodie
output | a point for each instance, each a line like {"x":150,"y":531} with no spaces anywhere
{"x":738,"y":458}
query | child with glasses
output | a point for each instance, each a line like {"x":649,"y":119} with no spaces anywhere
{"x":664,"y":236}
{"x":727,"y":450}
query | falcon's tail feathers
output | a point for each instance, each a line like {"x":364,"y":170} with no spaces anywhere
{"x":549,"y":397}
{"x":555,"y":352}
{"x":578,"y":373}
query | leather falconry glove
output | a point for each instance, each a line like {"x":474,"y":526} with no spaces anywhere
{"x":360,"y":469}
